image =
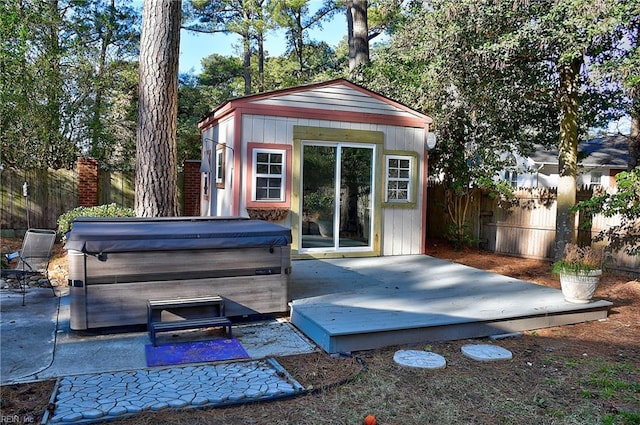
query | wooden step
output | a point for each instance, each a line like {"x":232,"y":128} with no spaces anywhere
{"x":201,"y":312}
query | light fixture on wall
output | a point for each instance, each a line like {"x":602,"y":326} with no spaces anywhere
{"x":429,"y":141}
{"x":205,"y":167}
{"x":205,"y":163}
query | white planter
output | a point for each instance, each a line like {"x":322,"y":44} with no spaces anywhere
{"x":579,"y":287}
{"x":325,"y":227}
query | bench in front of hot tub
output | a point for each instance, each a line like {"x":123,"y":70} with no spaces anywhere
{"x":186,"y":313}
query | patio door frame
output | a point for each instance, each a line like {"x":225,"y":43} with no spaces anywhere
{"x":331,"y":137}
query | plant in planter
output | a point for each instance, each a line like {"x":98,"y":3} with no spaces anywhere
{"x":319,"y":209}
{"x":580,"y":270}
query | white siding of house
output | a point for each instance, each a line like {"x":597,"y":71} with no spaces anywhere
{"x":220,"y":202}
{"x":335,"y":97}
{"x":547,"y":174}
{"x":401,"y":228}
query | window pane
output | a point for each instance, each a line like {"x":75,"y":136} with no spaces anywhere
{"x":399,"y":174}
{"x":269,"y":171}
{"x":274,"y":193}
{"x":276,"y":158}
{"x":276,"y":169}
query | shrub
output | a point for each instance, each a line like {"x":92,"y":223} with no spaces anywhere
{"x":579,"y":259}
{"x":110,"y":210}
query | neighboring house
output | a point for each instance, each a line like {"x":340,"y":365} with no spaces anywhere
{"x":320,"y":157}
{"x":599,"y":160}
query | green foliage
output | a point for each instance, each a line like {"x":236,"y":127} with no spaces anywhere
{"x":460,"y":236}
{"x":623,"y":202}
{"x":223,"y":75}
{"x":489,"y":73}
{"x":318,"y":203}
{"x":478,"y":104}
{"x":110,"y":210}
{"x":621,"y":418}
{"x":195,"y":100}
{"x":65,"y":89}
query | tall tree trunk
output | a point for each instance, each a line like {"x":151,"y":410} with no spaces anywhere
{"x":634,"y":93}
{"x":261,"y":62}
{"x":54,"y":152}
{"x":96,"y":126}
{"x":298,"y":44}
{"x":246,"y":63}
{"x":358,"y":34}
{"x":156,"y":191}
{"x":634,"y":137}
{"x":567,"y":154}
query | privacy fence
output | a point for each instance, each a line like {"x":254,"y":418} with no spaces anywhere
{"x":526,"y":229}
{"x":50,"y":193}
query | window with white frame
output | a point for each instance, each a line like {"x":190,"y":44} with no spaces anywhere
{"x":398,"y":179}
{"x":596,"y":178}
{"x":220,"y":167}
{"x":268,"y":173}
{"x":511,"y":171}
{"x":511,"y":176}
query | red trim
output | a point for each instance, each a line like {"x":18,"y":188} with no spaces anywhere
{"x":332,"y":115}
{"x":251,"y":146}
{"x":237,"y":164}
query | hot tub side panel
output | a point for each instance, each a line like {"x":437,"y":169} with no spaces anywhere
{"x":115,"y":288}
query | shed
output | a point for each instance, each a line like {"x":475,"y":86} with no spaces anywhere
{"x":343,"y":167}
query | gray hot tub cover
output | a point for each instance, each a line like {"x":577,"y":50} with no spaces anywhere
{"x":98,"y":235}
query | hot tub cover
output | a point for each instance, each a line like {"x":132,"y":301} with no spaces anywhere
{"x":100,"y":235}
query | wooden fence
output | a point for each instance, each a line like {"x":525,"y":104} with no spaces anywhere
{"x":52,"y":193}
{"x":527,"y":229}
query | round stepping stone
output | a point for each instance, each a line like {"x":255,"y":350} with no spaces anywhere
{"x":486,"y":352}
{"x":421,"y":359}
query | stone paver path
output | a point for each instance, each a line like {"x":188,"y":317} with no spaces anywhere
{"x":98,"y":397}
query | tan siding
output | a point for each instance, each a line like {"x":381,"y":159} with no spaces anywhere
{"x":225,"y":196}
{"x":402,"y":231}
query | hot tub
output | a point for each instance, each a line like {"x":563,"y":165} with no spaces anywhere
{"x":116,"y":265}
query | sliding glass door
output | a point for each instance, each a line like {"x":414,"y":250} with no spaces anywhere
{"x":337,"y":200}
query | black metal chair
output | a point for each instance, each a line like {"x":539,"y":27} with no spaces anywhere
{"x":33,"y":258}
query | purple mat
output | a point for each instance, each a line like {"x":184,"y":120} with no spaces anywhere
{"x":195,"y":352}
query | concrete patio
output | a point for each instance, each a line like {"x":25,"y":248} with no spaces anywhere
{"x":342,"y":305}
{"x":355,"y":304}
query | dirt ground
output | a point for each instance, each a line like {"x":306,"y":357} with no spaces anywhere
{"x":580,"y":374}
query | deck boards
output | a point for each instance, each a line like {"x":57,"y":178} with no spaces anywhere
{"x":364,"y":303}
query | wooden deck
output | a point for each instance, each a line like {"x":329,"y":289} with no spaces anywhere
{"x":356,"y":304}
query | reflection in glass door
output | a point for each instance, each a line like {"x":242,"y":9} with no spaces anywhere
{"x":336,"y":194}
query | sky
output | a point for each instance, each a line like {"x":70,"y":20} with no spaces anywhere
{"x":194,"y":46}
